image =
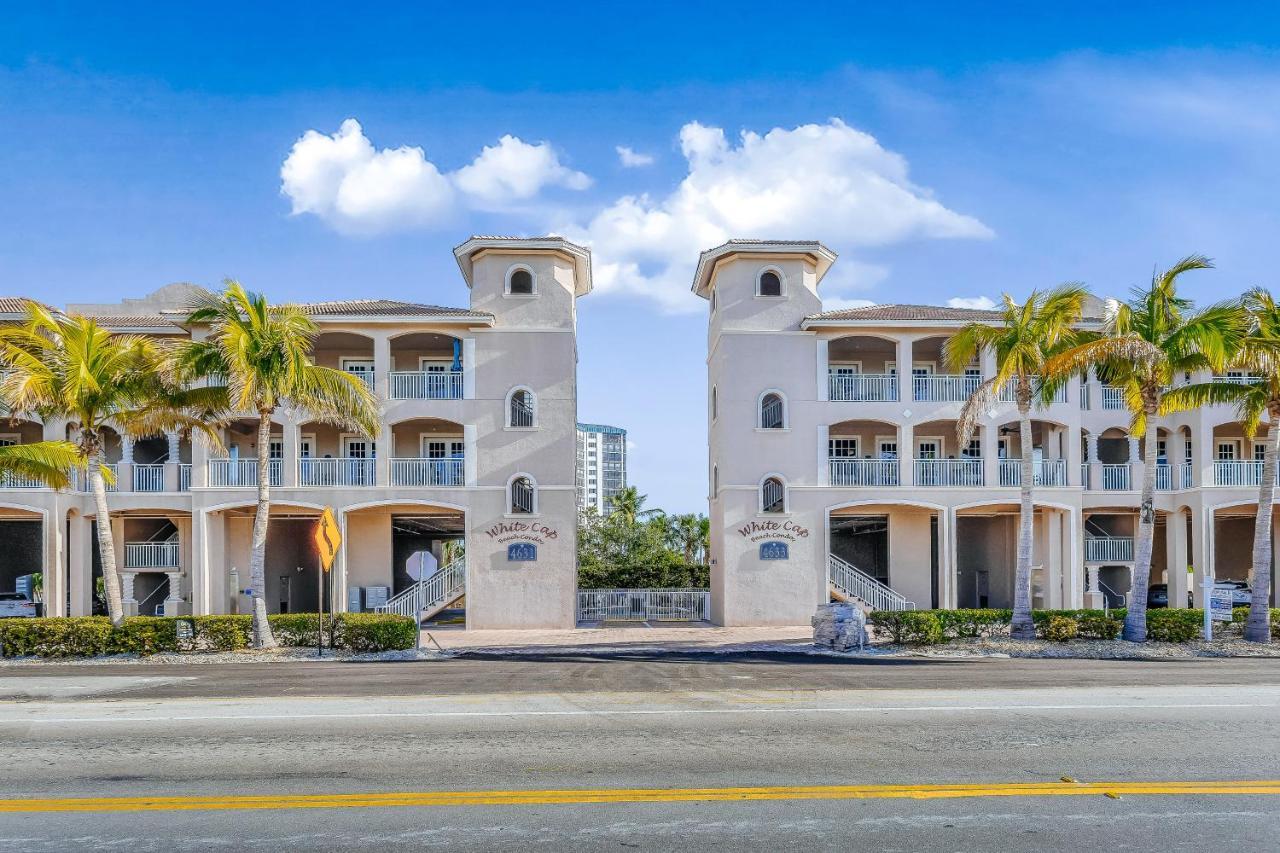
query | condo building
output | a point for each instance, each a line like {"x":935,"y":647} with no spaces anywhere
{"x":465,"y":497}
{"x":602,"y":465}
{"x":834,"y":467}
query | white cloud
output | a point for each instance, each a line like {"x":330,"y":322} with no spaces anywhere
{"x":356,"y":188}
{"x":514,"y":169}
{"x":981,"y":303}
{"x":632,"y":159}
{"x":829,"y":182}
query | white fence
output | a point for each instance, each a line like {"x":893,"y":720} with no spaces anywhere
{"x":1239,"y":473}
{"x":1115,"y":478}
{"x":944,"y":388}
{"x":427,"y":472}
{"x":151,"y":555}
{"x":1108,"y":549}
{"x":862,"y":387}
{"x":854,"y":582}
{"x":1045,"y":472}
{"x":342,"y":471}
{"x":426,"y":385}
{"x":148,"y":477}
{"x":1112,"y":397}
{"x":240,"y":472}
{"x":863,"y":472}
{"x":948,"y":472}
{"x":644,"y":605}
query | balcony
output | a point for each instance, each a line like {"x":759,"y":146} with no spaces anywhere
{"x":863,"y":472}
{"x":426,"y":385}
{"x":1184,"y":473}
{"x":241,"y":473}
{"x":148,"y":477}
{"x":82,"y":479}
{"x":948,"y":472}
{"x":1164,"y":478}
{"x":862,"y":387}
{"x":1045,"y":472}
{"x":944,"y":388}
{"x":1008,"y":394}
{"x":343,"y":471}
{"x":1113,"y":398}
{"x":1237,"y":378}
{"x":152,"y":555}
{"x":1238,"y":474}
{"x":184,"y":477}
{"x":13,"y":481}
{"x":427,"y":472}
{"x":1116,"y":477}
{"x":1108,"y":549}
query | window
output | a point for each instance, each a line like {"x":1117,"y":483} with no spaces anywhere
{"x":713,"y":402}
{"x":773,"y":495}
{"x":973,"y":450}
{"x":769,"y":283}
{"x":842,"y":448}
{"x":520,"y":409}
{"x":773,"y":413}
{"x":1226,"y":451}
{"x":524,"y":495}
{"x":520,"y":281}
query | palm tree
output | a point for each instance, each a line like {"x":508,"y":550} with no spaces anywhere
{"x":687,"y":537}
{"x":1024,"y":339}
{"x":1253,"y":397}
{"x":67,"y":367}
{"x":1147,"y":342}
{"x":263,"y":354}
{"x":628,"y":505}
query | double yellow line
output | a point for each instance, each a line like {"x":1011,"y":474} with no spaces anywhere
{"x":1266,"y":787}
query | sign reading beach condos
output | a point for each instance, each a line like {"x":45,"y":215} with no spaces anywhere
{"x":475,"y":452}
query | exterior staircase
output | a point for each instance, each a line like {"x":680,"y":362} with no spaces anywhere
{"x":430,"y":595}
{"x":849,"y":583}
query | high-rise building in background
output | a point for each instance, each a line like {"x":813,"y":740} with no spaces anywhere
{"x":602,"y":465}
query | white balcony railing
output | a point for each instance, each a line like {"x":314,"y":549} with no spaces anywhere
{"x":1108,"y":549}
{"x":1164,"y":477}
{"x":82,"y":479}
{"x":1184,"y":474}
{"x":948,"y":472}
{"x":342,"y":471}
{"x":152,"y":555}
{"x":1113,"y":398}
{"x":13,"y":481}
{"x":240,"y":473}
{"x":1008,"y":394}
{"x":184,"y":477}
{"x":426,"y":385}
{"x":365,"y":376}
{"x":1239,"y":473}
{"x":428,"y":472}
{"x":944,"y":388}
{"x":863,"y":472}
{"x":1236,"y":379}
{"x":862,"y":387}
{"x":1046,"y":472}
{"x":1115,"y":477}
{"x":1084,"y":474}
{"x":148,"y":477}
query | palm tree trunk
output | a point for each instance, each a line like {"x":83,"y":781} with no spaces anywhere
{"x":1258,"y":627}
{"x":106,"y":540}
{"x":262,"y":636}
{"x":1135,"y":619}
{"x":1023,"y":627}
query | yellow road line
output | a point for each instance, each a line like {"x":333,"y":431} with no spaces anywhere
{"x":1265,"y":787}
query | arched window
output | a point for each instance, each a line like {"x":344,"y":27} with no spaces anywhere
{"x":773,"y":411}
{"x":521,"y":409}
{"x":769,"y":283}
{"x":524,"y":495}
{"x":520,"y":281}
{"x":773,"y":495}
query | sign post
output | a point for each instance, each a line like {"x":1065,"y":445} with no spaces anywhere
{"x":1217,"y":605}
{"x":328,"y":539}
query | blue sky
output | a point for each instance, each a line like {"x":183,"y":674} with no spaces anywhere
{"x":944,"y":153}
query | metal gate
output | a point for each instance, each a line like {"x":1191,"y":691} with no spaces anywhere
{"x":644,"y":605}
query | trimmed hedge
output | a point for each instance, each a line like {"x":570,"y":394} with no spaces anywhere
{"x":88,"y":636}
{"x":1060,"y":629}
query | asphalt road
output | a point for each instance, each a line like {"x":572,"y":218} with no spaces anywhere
{"x":650,"y":752}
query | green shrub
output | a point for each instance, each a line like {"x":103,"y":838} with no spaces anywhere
{"x":374,"y":632}
{"x":222,"y":633}
{"x":910,"y":627}
{"x":1097,"y":625}
{"x":145,"y":635}
{"x":1060,"y":629}
{"x":299,"y":629}
{"x":55,"y":637}
{"x":974,"y":622}
{"x":1174,"y":625}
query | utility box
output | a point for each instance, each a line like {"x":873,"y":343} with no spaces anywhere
{"x":355,"y":599}
{"x":376,"y":596}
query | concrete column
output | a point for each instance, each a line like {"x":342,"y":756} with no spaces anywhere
{"x":468,"y":368}
{"x":1053,"y":562}
{"x":1093,"y":598}
{"x":1091,"y":439}
{"x":126,"y":449}
{"x":947,"y":559}
{"x":1095,"y":391}
{"x":1175,"y":539}
{"x":987,"y":360}
{"x":80,"y":545}
{"x":174,"y":604}
{"x":470,"y":450}
{"x":1073,"y":556}
{"x":903,"y":357}
{"x":821,"y":368}
{"x":1275,"y":545}
{"x":1073,"y":456}
{"x":1201,"y":551}
{"x":200,"y":463}
{"x":906,"y":454}
{"x":987,"y":434}
{"x":198,"y":565}
{"x":290,"y":432}
{"x":1202,"y":454}
{"x":824,"y":454}
{"x":386,"y":449}
{"x":382,"y":366}
{"x":53,"y":562}
{"x":126,"y":593}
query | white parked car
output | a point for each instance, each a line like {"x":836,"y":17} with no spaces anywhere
{"x":16,"y":604}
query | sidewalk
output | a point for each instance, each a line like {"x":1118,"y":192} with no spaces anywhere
{"x":640,"y":635}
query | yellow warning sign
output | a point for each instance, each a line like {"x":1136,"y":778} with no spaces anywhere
{"x":328,"y":538}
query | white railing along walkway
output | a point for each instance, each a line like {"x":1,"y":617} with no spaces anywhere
{"x":948,"y":472}
{"x":1045,"y":472}
{"x":148,"y":477}
{"x":1108,"y":549}
{"x":862,"y":387}
{"x":1115,"y":477}
{"x":644,"y":605}
{"x":342,"y":471}
{"x":855,"y":583}
{"x":240,"y":472}
{"x":426,"y":385}
{"x":1240,"y":473}
{"x":944,"y":388}
{"x":863,"y":472}
{"x":430,"y":594}
{"x":1009,"y":392}
{"x":427,"y":472}
{"x":151,"y":555}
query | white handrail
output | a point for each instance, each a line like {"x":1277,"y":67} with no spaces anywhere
{"x":1108,"y":549}
{"x":444,"y":586}
{"x":863,"y":472}
{"x":1045,"y":472}
{"x":948,"y":472}
{"x":152,"y":555}
{"x":426,"y":385}
{"x":148,"y":477}
{"x":240,"y":472}
{"x":644,"y":605}
{"x":862,"y":387}
{"x":944,"y":388}
{"x":427,"y":472}
{"x":1115,"y":477}
{"x":342,"y":471}
{"x":852,"y":581}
